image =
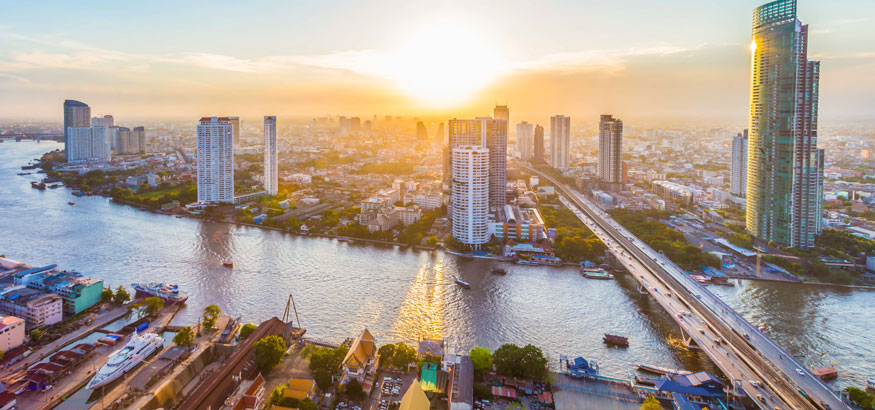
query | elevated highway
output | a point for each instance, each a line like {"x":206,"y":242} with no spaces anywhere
{"x":756,"y":365}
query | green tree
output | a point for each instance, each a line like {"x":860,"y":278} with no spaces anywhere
{"x":650,"y":403}
{"x":154,"y":304}
{"x":526,"y":362}
{"x":863,"y":399}
{"x":323,"y":378}
{"x":121,"y":296}
{"x":431,"y":241}
{"x":354,"y":390}
{"x":106,"y":296}
{"x":515,"y":406}
{"x":482,"y":358}
{"x":277,"y":394}
{"x":184,"y":337}
{"x":269,"y":352}
{"x":246,"y":330}
{"x":403,"y":355}
{"x":327,"y":358}
{"x":386,"y":352}
{"x":36,"y":335}
{"x":211,"y":313}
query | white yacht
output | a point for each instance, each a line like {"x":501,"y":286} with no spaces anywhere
{"x":126,"y":358}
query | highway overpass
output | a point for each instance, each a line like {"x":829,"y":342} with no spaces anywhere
{"x":755,"y":364}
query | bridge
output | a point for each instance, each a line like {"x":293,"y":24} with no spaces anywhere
{"x":756,"y":365}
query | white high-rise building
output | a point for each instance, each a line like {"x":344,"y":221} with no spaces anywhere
{"x":88,"y":144}
{"x":271,"y":184}
{"x":470,"y":195}
{"x":215,"y":160}
{"x":524,"y":141}
{"x":739,"y":165}
{"x":487,"y":133}
{"x":610,"y":149}
{"x":105,"y":121}
{"x":560,"y":141}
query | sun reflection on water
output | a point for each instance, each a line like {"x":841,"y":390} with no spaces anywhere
{"x":422,"y":314}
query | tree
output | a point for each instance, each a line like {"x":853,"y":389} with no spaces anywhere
{"x":515,"y":406}
{"x":269,"y":352}
{"x":323,"y":379}
{"x":154,"y":304}
{"x":211,"y":313}
{"x":121,"y":296}
{"x":354,"y":390}
{"x":246,"y":330}
{"x":327,"y":358}
{"x":36,"y":335}
{"x":386,"y":352}
{"x":404,"y":355}
{"x":184,"y":337}
{"x":277,"y":394}
{"x":650,"y":403}
{"x":431,"y":241}
{"x":106,"y":296}
{"x":482,"y":358}
{"x":526,"y":362}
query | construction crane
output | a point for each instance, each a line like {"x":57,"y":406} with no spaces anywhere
{"x":290,"y":305}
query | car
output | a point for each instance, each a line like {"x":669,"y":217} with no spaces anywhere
{"x":801,"y":373}
{"x":747,"y":336}
{"x":702,"y":331}
{"x":754,"y":383}
{"x":761,"y":398}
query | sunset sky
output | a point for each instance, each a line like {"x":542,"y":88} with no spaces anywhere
{"x":170,"y":59}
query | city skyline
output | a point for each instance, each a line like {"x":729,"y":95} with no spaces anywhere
{"x":694,"y":69}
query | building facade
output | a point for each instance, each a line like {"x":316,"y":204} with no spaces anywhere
{"x":610,"y":168}
{"x":739,"y":165}
{"x":486,"y":133}
{"x":215,"y":160}
{"x":538,"y":148}
{"x":784,"y":175}
{"x":560,"y":141}
{"x":470,"y":187}
{"x":524,"y":142}
{"x":501,"y":112}
{"x":11,"y":332}
{"x":271,"y":178}
{"x":105,"y":121}
{"x":35,"y":307}
{"x":76,"y":114}
{"x":88,"y":144}
{"x":235,"y":129}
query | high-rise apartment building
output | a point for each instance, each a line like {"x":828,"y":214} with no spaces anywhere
{"x":471,"y":194}
{"x":492,"y":135}
{"x":738,"y":168}
{"x":610,"y":150}
{"x":76,"y":114}
{"x":524,"y":144}
{"x":501,"y":112}
{"x":235,"y":129}
{"x":538,"y":149}
{"x":784,"y":174}
{"x":441,"y":133}
{"x":560,"y":141}
{"x":271,"y":181}
{"x":215,"y":160}
{"x":88,"y":144}
{"x":105,"y":121}
{"x":421,"y":131}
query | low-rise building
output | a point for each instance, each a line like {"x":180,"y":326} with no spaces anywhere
{"x":78,"y":292}
{"x":519,"y":224}
{"x":35,"y":307}
{"x":300,"y":389}
{"x":429,"y":202}
{"x":11,"y":332}
{"x":361,"y":361}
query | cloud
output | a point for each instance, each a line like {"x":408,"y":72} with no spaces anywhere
{"x":610,"y":60}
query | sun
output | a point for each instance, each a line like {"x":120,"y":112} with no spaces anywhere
{"x":444,"y":64}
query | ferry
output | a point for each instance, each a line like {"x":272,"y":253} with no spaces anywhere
{"x":126,"y":358}
{"x":463,"y":284}
{"x":41,"y":186}
{"x":596,"y":273}
{"x":660,"y":370}
{"x":170,"y":293}
{"x":228,"y":264}
{"x":616,"y":340}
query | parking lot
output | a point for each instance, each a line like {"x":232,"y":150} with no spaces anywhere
{"x":390,"y":388}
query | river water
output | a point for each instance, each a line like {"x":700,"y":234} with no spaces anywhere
{"x":402,"y":294}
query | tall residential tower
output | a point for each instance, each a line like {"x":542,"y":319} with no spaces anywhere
{"x":610,"y":150}
{"x":524,"y":140}
{"x":739,"y":165}
{"x":784,"y":173}
{"x":76,"y":114}
{"x":560,"y":141}
{"x":271,"y":184}
{"x":215,"y":160}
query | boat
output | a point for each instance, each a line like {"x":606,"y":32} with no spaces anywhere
{"x":228,"y":264}
{"x":870,"y":383}
{"x":646,"y":381}
{"x":31,"y":166}
{"x":596,"y":273}
{"x":55,"y":186}
{"x":659,"y":369}
{"x":23,"y":173}
{"x":825,"y":373}
{"x":178,"y":216}
{"x":126,"y":358}
{"x":499,"y":271}
{"x":463,"y":284}
{"x":79,"y":193}
{"x":170,"y":293}
{"x":616,"y":340}
{"x":580,"y":366}
{"x":71,"y":203}
{"x":41,"y":186}
{"x":526,"y":262}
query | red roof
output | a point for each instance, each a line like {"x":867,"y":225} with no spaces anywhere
{"x":48,"y":367}
{"x":545,"y":397}
{"x":6,"y":397}
{"x":500,"y":391}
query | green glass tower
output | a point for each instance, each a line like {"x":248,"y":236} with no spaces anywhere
{"x":785,"y":168}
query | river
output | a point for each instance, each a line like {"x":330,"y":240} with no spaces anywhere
{"x":403,"y":294}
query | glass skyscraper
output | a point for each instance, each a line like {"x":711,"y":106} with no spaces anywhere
{"x":76,"y":114}
{"x":785,"y":171}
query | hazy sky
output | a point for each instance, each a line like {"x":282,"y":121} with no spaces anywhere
{"x":633,"y":58}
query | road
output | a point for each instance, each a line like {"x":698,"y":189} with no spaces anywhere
{"x":757,"y":366}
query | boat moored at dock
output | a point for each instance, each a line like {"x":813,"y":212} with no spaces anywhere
{"x":170,"y":293}
{"x":596,"y":273}
{"x":463,"y":284}
{"x":616,"y":340}
{"x":659,"y":369}
{"x":126,"y":358}
{"x":870,"y":383}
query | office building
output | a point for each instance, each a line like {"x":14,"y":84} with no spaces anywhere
{"x":470,"y":189}
{"x":271,"y":184}
{"x":784,"y":174}
{"x":35,"y":307}
{"x":235,"y":129}
{"x":492,"y":135}
{"x":355,"y":123}
{"x":524,"y":141}
{"x":76,"y":291}
{"x":421,"y":131}
{"x":441,"y":132}
{"x":88,"y":144}
{"x":501,"y":112}
{"x":610,"y":168}
{"x":538,"y":148}
{"x":215,"y":160}
{"x":738,"y":168}
{"x":105,"y":121}
{"x":76,"y":114}
{"x":560,"y":141}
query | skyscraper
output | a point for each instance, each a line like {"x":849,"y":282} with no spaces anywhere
{"x":271,"y":184}
{"x":235,"y":129}
{"x":610,"y":150}
{"x":784,"y":174}
{"x":538,"y":149}
{"x":140,"y":133}
{"x":85,"y":144}
{"x":421,"y":131}
{"x":490,"y":134}
{"x":441,"y":133}
{"x":501,"y":112}
{"x":471,"y":194}
{"x":560,"y":141}
{"x":105,"y":121}
{"x":739,"y":165}
{"x":76,"y":114}
{"x":524,"y":140}
{"x":215,"y":160}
